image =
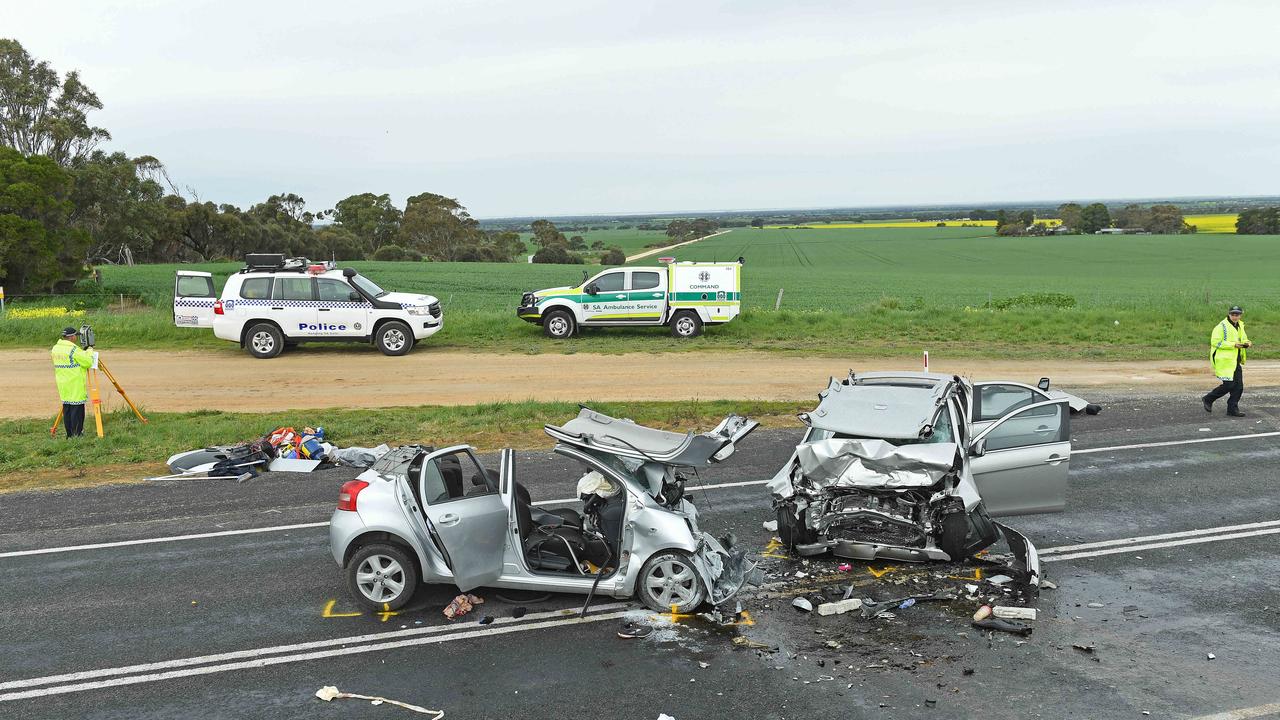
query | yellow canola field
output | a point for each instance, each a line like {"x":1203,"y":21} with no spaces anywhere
{"x":1051,"y":222}
{"x":1220,"y":223}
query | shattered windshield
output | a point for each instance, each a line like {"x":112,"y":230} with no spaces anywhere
{"x":626,"y":468}
{"x":368,"y":286}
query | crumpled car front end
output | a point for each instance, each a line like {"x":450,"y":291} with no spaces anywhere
{"x":725,"y":568}
{"x":869,"y":499}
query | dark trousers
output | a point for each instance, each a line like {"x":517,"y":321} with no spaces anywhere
{"x":1232,"y":388}
{"x":73,"y":419}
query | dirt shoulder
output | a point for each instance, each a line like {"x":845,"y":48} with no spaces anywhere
{"x":168,"y":381}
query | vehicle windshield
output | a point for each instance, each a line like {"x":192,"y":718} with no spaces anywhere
{"x":942,"y":433}
{"x":368,"y":286}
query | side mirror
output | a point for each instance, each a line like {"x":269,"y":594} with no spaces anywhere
{"x":355,"y":296}
{"x":979,"y":448}
{"x":1043,"y":384}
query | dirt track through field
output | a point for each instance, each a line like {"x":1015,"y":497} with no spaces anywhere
{"x":335,"y":376}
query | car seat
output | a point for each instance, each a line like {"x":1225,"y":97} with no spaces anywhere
{"x":553,"y":540}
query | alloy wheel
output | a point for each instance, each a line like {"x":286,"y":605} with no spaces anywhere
{"x":380,"y":578}
{"x":672,"y":582}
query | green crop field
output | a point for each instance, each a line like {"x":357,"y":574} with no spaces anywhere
{"x":854,"y":291}
{"x":630,"y":241}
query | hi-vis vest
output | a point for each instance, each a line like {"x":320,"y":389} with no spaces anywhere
{"x":1222,"y":348}
{"x":71,"y":372}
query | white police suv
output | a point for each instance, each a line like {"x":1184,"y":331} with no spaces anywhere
{"x":274,"y":303}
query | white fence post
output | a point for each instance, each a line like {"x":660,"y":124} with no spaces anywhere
{"x":778,"y":303}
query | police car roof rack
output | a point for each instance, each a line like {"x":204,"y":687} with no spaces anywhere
{"x":274,"y":262}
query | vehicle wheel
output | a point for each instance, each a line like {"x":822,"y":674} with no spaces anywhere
{"x":382,"y":577}
{"x":955,"y":531}
{"x":264,"y":341}
{"x":669,"y":578}
{"x":686,"y":324}
{"x":394,"y":338}
{"x":792,"y":530}
{"x":558,"y":325}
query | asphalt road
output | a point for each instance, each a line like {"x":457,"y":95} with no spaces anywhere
{"x":251,"y":625}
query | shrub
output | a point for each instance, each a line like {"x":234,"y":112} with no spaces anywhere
{"x":1058,"y":300}
{"x":393,"y":253}
{"x":614,"y":256}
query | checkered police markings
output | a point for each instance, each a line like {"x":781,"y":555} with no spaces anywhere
{"x":194,"y":303}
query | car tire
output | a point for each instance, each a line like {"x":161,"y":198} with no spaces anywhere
{"x":559,"y":325}
{"x":264,"y":341}
{"x":955,"y":533}
{"x":382,"y":577}
{"x":394,"y":338}
{"x":792,"y":530}
{"x":686,"y":324}
{"x":670,"y":578}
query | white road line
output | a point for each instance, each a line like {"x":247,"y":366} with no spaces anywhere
{"x":1158,"y":545}
{"x":171,"y":538}
{"x":1152,"y":538}
{"x":298,"y":657}
{"x":278,"y":649}
{"x":563,"y":501}
{"x":1244,"y":713}
{"x":1169,"y":443}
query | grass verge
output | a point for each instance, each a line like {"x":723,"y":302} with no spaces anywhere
{"x":32,"y":460}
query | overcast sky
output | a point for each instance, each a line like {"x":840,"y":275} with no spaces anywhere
{"x":547,"y":108}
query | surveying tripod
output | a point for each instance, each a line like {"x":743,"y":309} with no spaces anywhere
{"x":96,"y":399}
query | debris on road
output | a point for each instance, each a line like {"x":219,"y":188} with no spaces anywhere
{"x":329,"y":693}
{"x":982,"y":613}
{"x":1003,"y":626}
{"x":1089,"y":649}
{"x":1013,"y":613}
{"x":1212,"y":656}
{"x":803,"y":604}
{"x":461,"y":605}
{"x":632,"y":631}
{"x":771,"y":525}
{"x":839,"y":607}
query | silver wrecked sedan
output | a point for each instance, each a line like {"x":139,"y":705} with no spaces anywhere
{"x":912,"y":466}
{"x":421,"y":515}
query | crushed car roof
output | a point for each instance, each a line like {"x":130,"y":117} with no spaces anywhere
{"x":598,"y":431}
{"x":892,"y":406}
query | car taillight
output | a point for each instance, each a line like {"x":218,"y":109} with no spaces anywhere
{"x":217,"y":307}
{"x":347,"y":495}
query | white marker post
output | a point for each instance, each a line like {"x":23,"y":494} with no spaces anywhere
{"x":1,"y":298}
{"x":926,"y":361}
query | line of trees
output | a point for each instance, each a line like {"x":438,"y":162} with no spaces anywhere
{"x":65,"y":204}
{"x":1259,"y":221}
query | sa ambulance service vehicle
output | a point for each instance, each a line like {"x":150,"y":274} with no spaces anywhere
{"x":274,"y":303}
{"x":685,"y":296}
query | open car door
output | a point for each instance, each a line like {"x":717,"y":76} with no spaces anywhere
{"x":465,"y":513}
{"x":193,"y":299}
{"x":1020,"y":461}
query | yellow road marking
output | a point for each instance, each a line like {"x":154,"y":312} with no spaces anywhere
{"x":387,"y":612}
{"x":329,"y":613}
{"x":774,"y":544}
{"x":673,"y":616}
{"x":977,"y":575}
{"x":884,"y":571}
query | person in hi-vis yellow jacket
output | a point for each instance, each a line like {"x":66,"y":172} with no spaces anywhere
{"x":1227,"y":345}
{"x":71,"y":367}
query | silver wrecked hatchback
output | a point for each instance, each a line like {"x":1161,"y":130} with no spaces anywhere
{"x":421,"y":515}
{"x":912,"y":466}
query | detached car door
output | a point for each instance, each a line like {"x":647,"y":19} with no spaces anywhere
{"x":466,"y":513}
{"x":1027,"y":455}
{"x":193,"y":299}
